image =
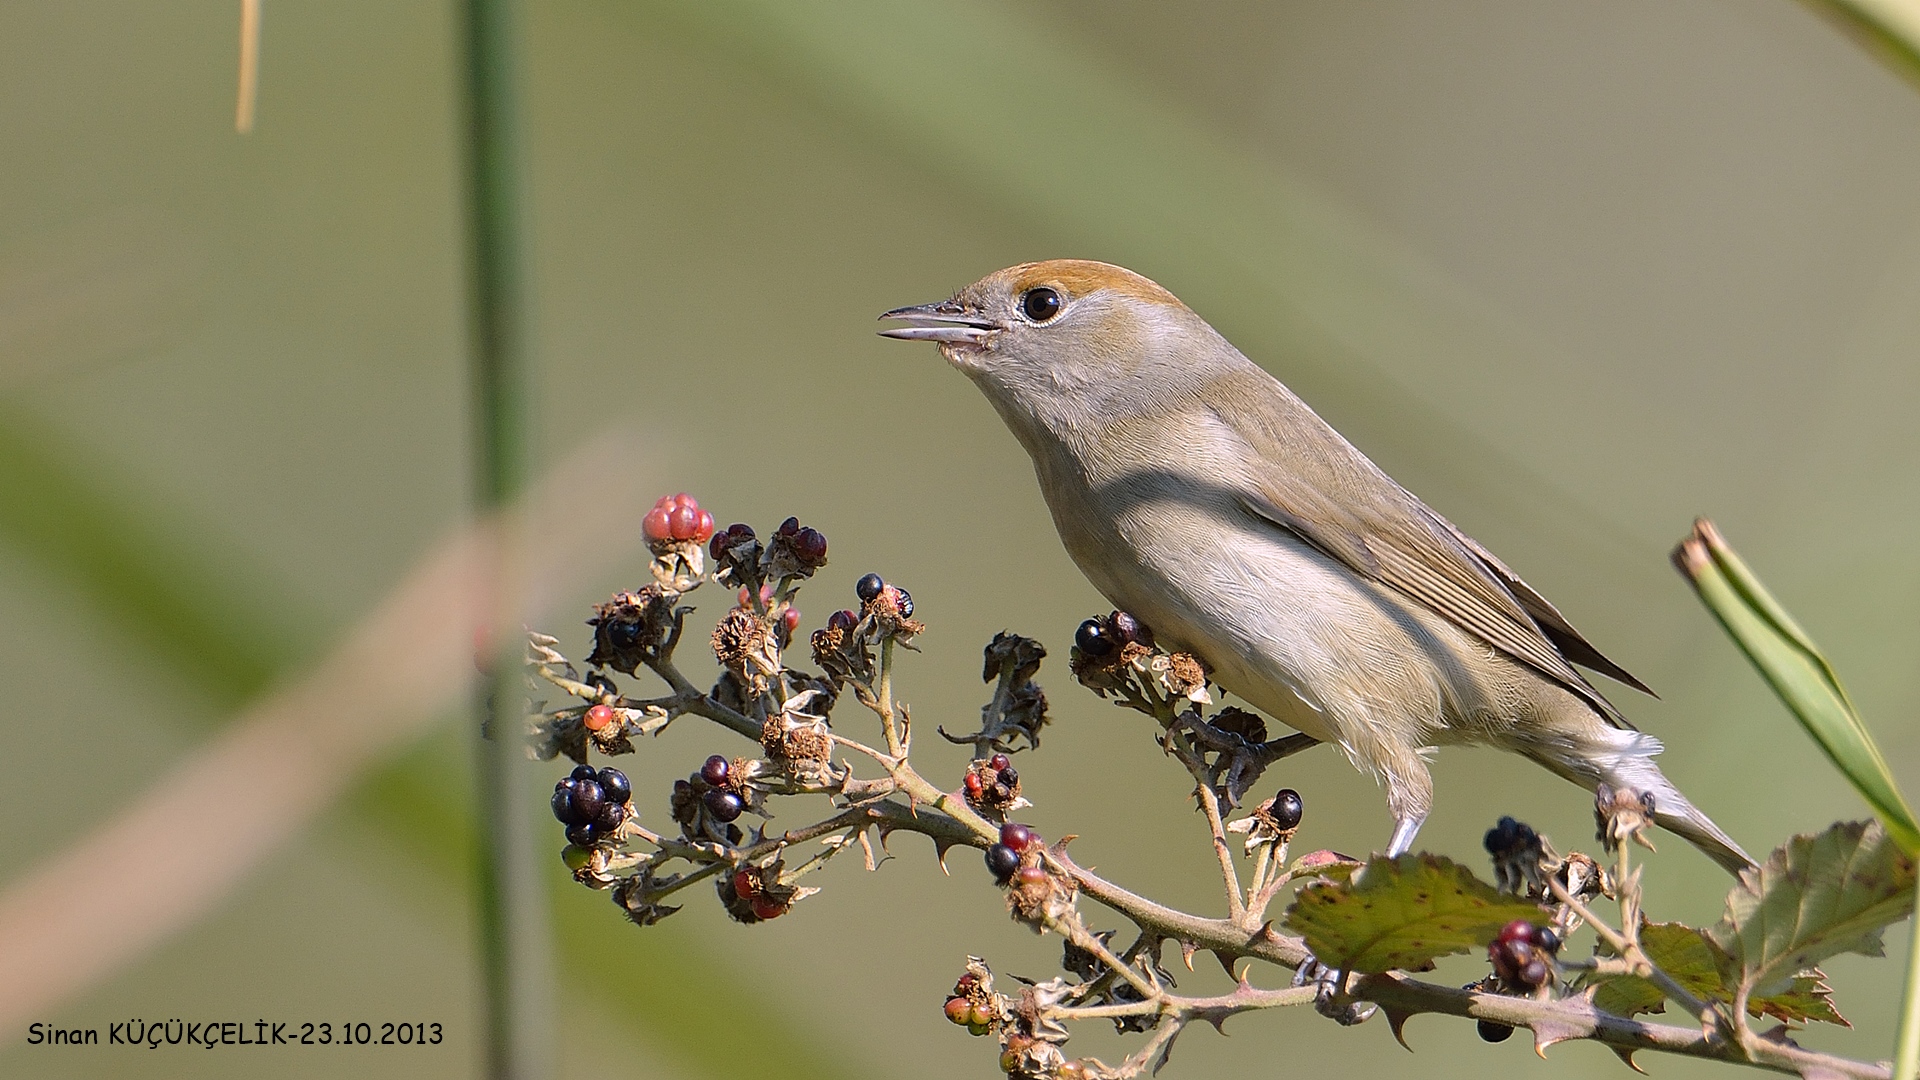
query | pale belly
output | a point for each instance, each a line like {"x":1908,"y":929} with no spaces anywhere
{"x":1283,"y":626}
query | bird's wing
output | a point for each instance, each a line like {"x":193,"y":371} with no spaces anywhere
{"x":1329,"y":494}
{"x":1570,"y":642}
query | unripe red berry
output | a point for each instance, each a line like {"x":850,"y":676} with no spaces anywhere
{"x":973,"y":785}
{"x":716,"y":770}
{"x":1534,"y":973}
{"x":744,"y":883}
{"x":791,"y":619}
{"x":1517,"y":930}
{"x":598,"y":717}
{"x":957,"y":1009}
{"x":1016,"y":836}
{"x":998,"y":762}
{"x":766,"y":908}
{"x":657,"y":525}
{"x":843,"y":620}
{"x":1030,"y":875}
{"x":980,"y":1013}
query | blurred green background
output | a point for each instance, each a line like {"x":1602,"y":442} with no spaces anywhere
{"x":1573,"y":273}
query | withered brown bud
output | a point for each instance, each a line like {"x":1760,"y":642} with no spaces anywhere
{"x":629,"y":628}
{"x":1620,"y":814}
{"x":743,"y":643}
{"x":1011,"y":652}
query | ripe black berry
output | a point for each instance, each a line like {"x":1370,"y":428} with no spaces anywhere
{"x":583,"y":772}
{"x":1002,"y":861}
{"x":563,"y":806}
{"x":588,"y":798}
{"x":1494,"y":1032}
{"x":1093,"y":639}
{"x":724,"y":805}
{"x":1287,"y":809}
{"x":1546,"y":940}
{"x":615,"y":785}
{"x":611,"y":815}
{"x":788,"y":527}
{"x":715,"y":771}
{"x":1126,"y":627}
{"x":581,"y":835}
{"x":622,"y":636}
{"x":1508,"y":836}
{"x":868,"y":587}
{"x":1009,"y":776}
{"x":1016,"y":836}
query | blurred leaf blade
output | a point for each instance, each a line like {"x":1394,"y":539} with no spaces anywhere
{"x":1787,"y":658}
{"x":1889,"y":29}
{"x":209,"y":616}
{"x":142,"y":575}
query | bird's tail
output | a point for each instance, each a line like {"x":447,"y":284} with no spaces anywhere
{"x":1629,"y":763}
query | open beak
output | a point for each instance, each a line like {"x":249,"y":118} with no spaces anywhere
{"x":947,"y":321}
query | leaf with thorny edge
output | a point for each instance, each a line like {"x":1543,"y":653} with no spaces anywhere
{"x":1696,"y":963}
{"x":1819,"y":895}
{"x":1401,"y":914}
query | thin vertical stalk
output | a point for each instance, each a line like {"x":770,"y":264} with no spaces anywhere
{"x":1906,"y":1050}
{"x":514,"y":943}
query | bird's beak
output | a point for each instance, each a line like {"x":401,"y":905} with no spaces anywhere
{"x":947,"y":321}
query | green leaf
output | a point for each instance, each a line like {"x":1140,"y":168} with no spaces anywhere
{"x":1818,"y":896}
{"x":1794,"y":666}
{"x":1697,"y":964}
{"x":1401,"y":914}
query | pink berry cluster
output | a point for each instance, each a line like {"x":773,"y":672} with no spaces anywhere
{"x":1522,"y":955}
{"x":677,"y":518}
{"x":970,"y":1005}
{"x":1007,"y":860}
{"x":707,"y":803}
{"x":992,"y":785}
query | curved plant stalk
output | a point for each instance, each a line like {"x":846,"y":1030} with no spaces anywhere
{"x":1889,"y":29}
{"x":1790,"y":662}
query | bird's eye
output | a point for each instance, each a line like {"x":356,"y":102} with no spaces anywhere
{"x":1040,"y":304}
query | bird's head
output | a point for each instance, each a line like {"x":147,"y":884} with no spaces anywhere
{"x":1080,"y":338}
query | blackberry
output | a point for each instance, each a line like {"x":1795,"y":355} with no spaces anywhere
{"x":1002,"y":861}
{"x":581,"y":835}
{"x":868,"y":587}
{"x":1093,"y":639}
{"x":588,"y":800}
{"x":584,"y":772}
{"x":1287,"y":809}
{"x":615,"y":785}
{"x":725,"y":806}
{"x":1494,"y":1032}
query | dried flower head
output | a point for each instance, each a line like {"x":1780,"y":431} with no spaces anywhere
{"x":629,"y":629}
{"x":743,"y":643}
{"x":1620,"y":814}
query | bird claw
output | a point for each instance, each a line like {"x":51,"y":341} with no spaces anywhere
{"x":1328,"y":999}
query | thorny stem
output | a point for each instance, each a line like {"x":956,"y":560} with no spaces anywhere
{"x":948,"y":821}
{"x":1630,"y":951}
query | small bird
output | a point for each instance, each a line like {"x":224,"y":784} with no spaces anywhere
{"x":1197,"y":493}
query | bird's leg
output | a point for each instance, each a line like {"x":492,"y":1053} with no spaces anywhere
{"x":1405,"y":828}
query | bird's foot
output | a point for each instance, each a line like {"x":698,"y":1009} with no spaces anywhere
{"x":1328,"y":999}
